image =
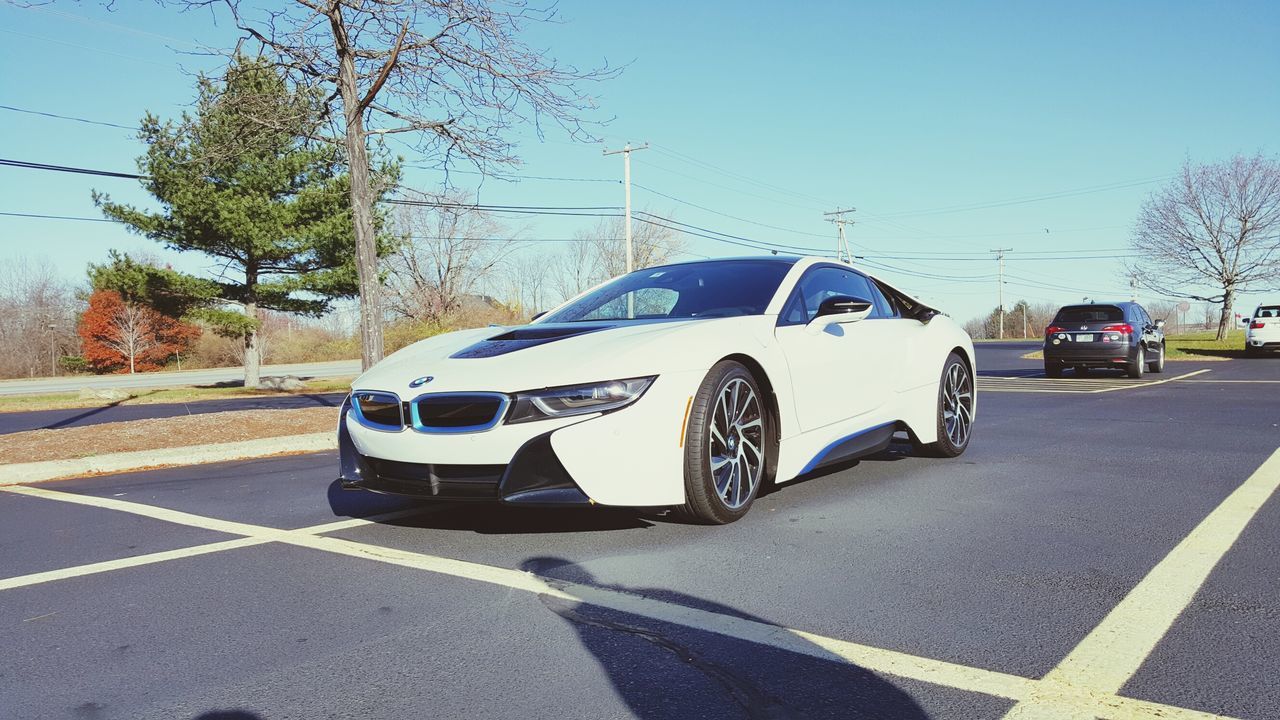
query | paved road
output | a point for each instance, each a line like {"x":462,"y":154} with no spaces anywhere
{"x":979,"y":574}
{"x":338,"y":368}
{"x":77,"y":417}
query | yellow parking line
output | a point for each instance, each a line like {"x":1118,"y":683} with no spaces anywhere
{"x":1184,"y":376}
{"x":1109,"y":655}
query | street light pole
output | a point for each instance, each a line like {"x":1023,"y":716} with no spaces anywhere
{"x":53,"y":357}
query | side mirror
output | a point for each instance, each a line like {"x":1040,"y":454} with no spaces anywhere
{"x":839,"y":309}
{"x":1160,"y":324}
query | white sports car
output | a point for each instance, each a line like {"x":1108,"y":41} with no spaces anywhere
{"x":688,"y":385}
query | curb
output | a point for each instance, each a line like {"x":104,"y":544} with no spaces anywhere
{"x":165,"y":457}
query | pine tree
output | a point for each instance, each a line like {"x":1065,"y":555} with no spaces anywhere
{"x":241,"y":181}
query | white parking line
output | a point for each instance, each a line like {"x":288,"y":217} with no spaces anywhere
{"x":1109,"y":655}
{"x":1084,"y":685}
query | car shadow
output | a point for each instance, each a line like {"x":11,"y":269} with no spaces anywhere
{"x":663,"y":670}
{"x":228,"y":715}
{"x":483,"y":518}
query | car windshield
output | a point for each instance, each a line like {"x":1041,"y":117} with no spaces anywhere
{"x":1090,"y":313}
{"x":724,"y":288}
{"x":1268,"y":311}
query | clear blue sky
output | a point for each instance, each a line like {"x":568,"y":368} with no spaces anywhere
{"x":764,"y":111}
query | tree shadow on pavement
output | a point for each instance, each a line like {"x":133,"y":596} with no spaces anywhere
{"x":228,"y":715}
{"x":662,"y":670}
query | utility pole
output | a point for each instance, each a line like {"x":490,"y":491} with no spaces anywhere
{"x":1133,"y":287}
{"x":842,"y":247}
{"x":626,"y":181}
{"x":1000,"y":283}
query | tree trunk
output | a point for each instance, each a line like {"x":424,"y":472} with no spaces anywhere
{"x":361,"y":201}
{"x":252,"y":354}
{"x":1225,"y":320}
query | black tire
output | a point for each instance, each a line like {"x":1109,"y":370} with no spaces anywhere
{"x":1139,"y":363}
{"x":704,"y":503}
{"x":1157,"y":365}
{"x":1081,"y":370}
{"x":1251,"y":351}
{"x":1052,"y":369}
{"x":946,"y":446}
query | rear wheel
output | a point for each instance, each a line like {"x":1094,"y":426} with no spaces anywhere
{"x":726,"y":441}
{"x":955,"y":410}
{"x":1052,"y":369}
{"x":1157,"y":365}
{"x":1136,"y":367}
{"x":1081,"y":370}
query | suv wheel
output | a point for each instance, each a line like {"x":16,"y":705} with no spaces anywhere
{"x":1157,"y":365}
{"x":1138,"y":365}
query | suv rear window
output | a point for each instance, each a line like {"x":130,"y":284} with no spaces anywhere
{"x":1269,"y":311}
{"x":1089,"y":313}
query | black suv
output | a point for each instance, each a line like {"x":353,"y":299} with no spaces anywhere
{"x":1112,"y":335}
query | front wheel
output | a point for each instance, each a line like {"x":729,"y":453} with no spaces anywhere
{"x":955,"y":410}
{"x":1157,"y":365}
{"x":1139,"y":363}
{"x":726,"y":444}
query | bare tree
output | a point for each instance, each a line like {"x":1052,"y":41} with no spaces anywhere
{"x":526,"y":278}
{"x":131,"y":332}
{"x":39,"y":313}
{"x":652,"y":245}
{"x":574,"y":268}
{"x":445,"y":252}
{"x":1213,"y":233}
{"x":451,"y":76}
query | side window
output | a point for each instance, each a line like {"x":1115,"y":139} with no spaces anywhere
{"x":884,"y":305}
{"x":820,"y":284}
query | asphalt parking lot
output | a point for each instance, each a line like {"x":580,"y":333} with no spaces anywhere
{"x":1106,"y":548}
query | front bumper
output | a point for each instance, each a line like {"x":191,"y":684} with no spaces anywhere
{"x":631,"y":457}
{"x":535,"y":476}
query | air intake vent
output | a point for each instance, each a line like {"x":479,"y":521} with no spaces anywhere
{"x":378,"y":410}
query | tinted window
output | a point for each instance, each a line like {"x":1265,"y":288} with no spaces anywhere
{"x":694,"y":290}
{"x":1089,"y":313}
{"x":884,"y":305}
{"x":1268,"y":311}
{"x":818,"y":285}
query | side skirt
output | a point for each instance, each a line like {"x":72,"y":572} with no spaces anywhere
{"x":862,"y":443}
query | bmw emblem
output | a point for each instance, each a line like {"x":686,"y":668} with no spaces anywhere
{"x":421,"y":381}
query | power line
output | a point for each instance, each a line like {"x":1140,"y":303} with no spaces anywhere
{"x":1028,"y":199}
{"x":727,"y":215}
{"x":68,"y":169}
{"x":67,"y":117}
{"x":54,"y":217}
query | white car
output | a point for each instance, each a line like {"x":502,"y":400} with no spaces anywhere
{"x":689,"y":385}
{"x":1263,"y":331}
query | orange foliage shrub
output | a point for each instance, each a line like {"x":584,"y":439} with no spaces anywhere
{"x":114,"y":332}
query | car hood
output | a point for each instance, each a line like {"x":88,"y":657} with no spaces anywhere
{"x":510,"y":359}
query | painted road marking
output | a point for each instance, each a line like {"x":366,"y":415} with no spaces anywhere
{"x":1080,"y":386}
{"x":122,"y":563}
{"x":1109,"y":655}
{"x":1049,"y":697}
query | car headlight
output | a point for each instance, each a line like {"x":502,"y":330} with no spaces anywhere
{"x":577,"y":399}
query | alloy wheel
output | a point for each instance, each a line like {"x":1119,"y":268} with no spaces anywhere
{"x":957,"y":404}
{"x":737,"y":442}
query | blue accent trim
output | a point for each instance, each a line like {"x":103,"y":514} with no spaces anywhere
{"x":366,"y":422}
{"x":822,"y":454}
{"x":415,"y":420}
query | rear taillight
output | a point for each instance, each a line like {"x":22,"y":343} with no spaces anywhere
{"x":1256,"y":326}
{"x":1125,"y":328}
{"x":1054,"y":329}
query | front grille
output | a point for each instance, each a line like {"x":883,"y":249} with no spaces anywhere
{"x":457,"y":412}
{"x":378,"y":410}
